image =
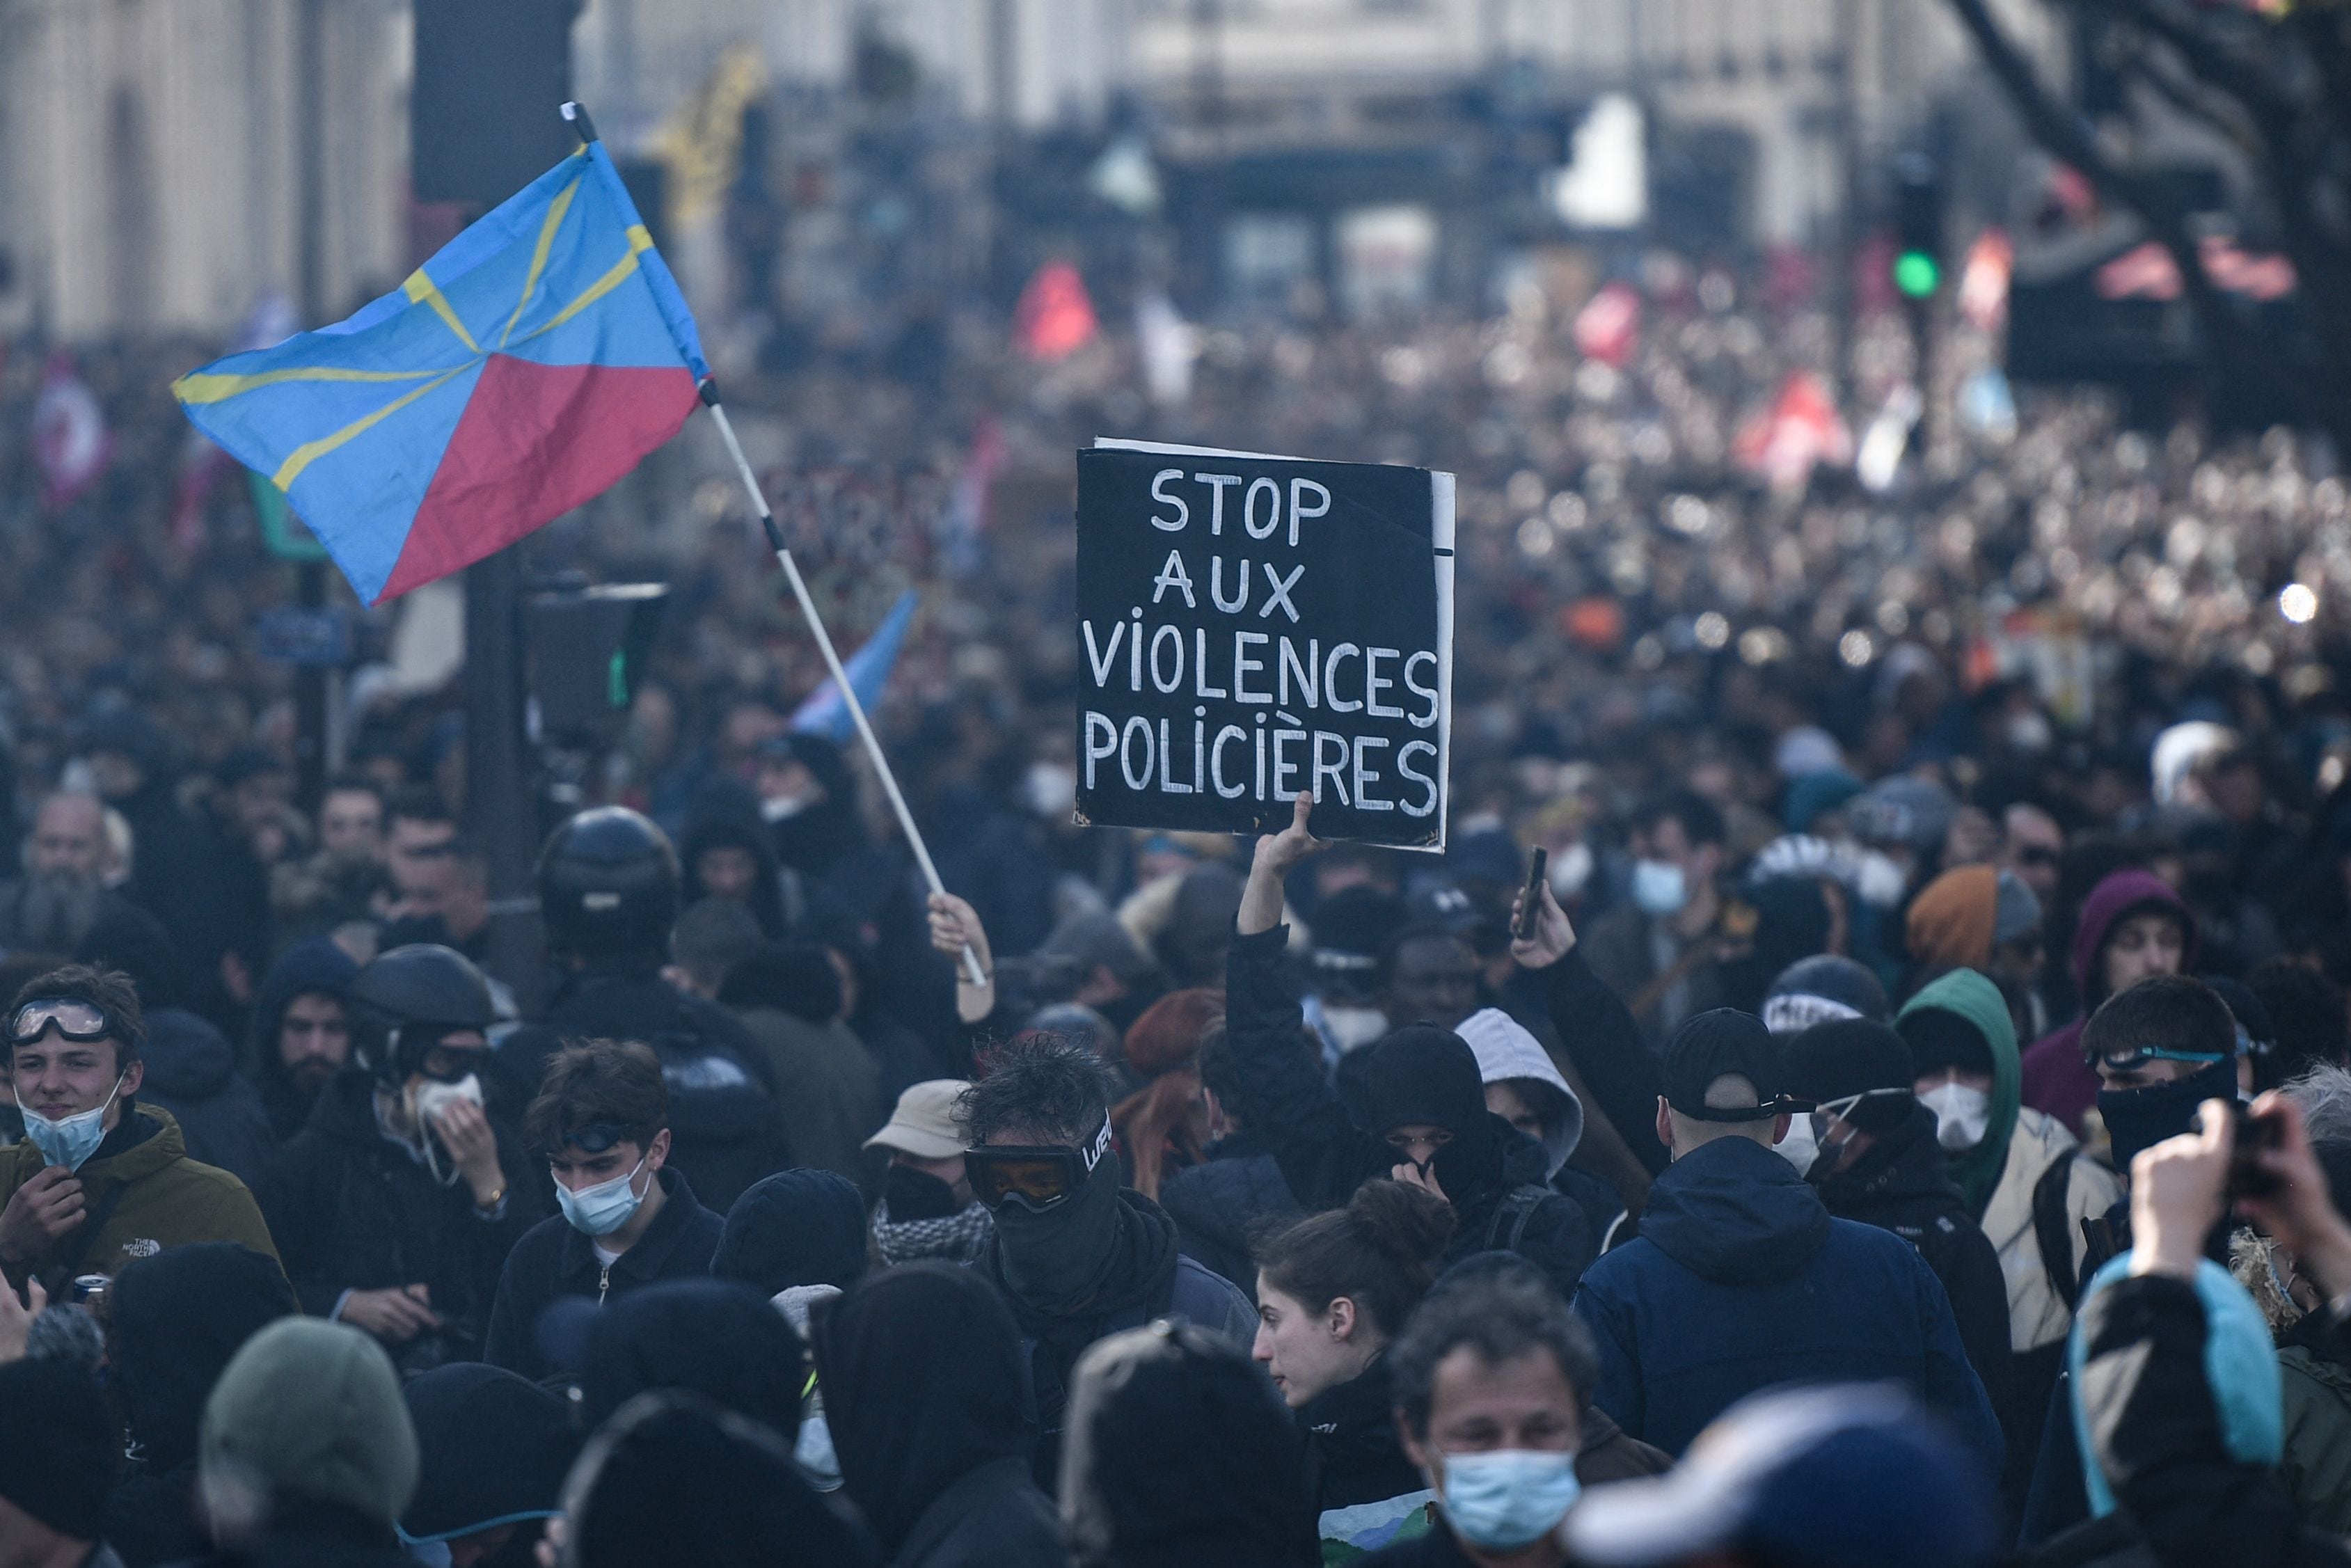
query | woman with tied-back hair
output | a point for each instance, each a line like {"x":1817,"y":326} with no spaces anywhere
{"x":1333,"y":1289}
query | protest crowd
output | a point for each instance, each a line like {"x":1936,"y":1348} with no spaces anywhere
{"x":1908,"y":1118}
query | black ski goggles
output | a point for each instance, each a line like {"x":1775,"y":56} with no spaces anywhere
{"x":1039,"y":1175}
{"x":82,"y":1022}
{"x":599,"y":1137}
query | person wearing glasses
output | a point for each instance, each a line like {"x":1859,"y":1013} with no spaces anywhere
{"x":395,"y":1208}
{"x":628,"y":1219}
{"x":1076,"y":1253}
{"x":99,"y":1180}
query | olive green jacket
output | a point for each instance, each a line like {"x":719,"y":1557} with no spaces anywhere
{"x":2317,"y":1461}
{"x":167,"y":1200}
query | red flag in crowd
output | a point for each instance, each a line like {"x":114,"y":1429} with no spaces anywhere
{"x":1608,"y":328}
{"x":1055,"y":317}
{"x":1801,"y":429}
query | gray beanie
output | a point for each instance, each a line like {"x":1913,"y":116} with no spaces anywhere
{"x":311,"y":1410}
{"x":1914,"y":812}
{"x":1821,"y":990}
{"x":2015,"y":910}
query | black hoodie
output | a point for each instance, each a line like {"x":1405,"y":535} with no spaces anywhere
{"x":1418,"y":1074}
{"x":315,"y":966}
{"x":922,"y":1379}
{"x":1903,"y":1184}
{"x":718,"y":1338}
{"x":176,"y":1319}
{"x":726,"y":815}
{"x":1180,"y":1455}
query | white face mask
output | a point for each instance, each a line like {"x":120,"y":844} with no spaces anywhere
{"x":433,"y":1098}
{"x":1352,"y":1029}
{"x":781,"y":807}
{"x":1802,"y":1147}
{"x":1962,"y":1115}
{"x":1659,"y":888}
{"x":426,"y":1102}
{"x":1050,"y":790}
{"x":1881,"y":880}
{"x":1569,"y":870}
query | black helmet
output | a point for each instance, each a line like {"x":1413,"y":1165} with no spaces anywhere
{"x":608,"y":884}
{"x":403,"y":1002}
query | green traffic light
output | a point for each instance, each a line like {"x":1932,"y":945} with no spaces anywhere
{"x":1916,"y":274}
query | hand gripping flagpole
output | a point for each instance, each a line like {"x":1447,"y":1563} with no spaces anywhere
{"x":833,"y":661}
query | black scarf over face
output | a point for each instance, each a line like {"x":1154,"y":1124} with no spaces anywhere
{"x":1089,"y":1254}
{"x":2141,"y":1118}
{"x":921,"y":1371}
{"x":1424,"y":1076}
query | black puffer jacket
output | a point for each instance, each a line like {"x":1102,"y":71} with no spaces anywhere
{"x":1218,"y":1206}
{"x":1325,"y":1153}
{"x":726,"y":1129}
{"x":352,"y":1210}
{"x":1904,"y":1185}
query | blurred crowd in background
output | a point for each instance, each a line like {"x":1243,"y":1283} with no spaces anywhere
{"x":1889,"y":762}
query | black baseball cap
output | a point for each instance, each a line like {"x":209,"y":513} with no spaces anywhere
{"x":1711,"y":1045}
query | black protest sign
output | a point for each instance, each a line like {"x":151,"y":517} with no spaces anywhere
{"x":1253,"y":627}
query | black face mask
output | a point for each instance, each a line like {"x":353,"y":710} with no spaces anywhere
{"x":2139,"y":1119}
{"x":1057,"y":1258}
{"x":914,"y":1195}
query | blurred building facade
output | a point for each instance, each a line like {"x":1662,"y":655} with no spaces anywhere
{"x":162,"y":166}
{"x":155,"y":157}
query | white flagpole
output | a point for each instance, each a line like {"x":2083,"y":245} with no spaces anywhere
{"x":833,"y":661}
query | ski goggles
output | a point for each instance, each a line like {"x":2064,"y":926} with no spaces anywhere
{"x":77,"y":1021}
{"x":1039,"y":1175}
{"x":2140,"y":1056}
{"x":598,"y":1137}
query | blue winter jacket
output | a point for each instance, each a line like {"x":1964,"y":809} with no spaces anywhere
{"x":1740,"y":1279}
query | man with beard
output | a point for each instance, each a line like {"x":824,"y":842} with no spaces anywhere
{"x":395,"y":1208}
{"x":301,"y":1030}
{"x":60,"y":896}
{"x":1078,"y":1255}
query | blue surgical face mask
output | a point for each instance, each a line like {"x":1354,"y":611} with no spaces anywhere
{"x":1659,"y":888}
{"x":68,"y":1141}
{"x":1503,"y":1501}
{"x":603,"y":1208}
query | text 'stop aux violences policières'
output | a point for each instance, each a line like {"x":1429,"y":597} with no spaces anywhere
{"x":1255,"y":627}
